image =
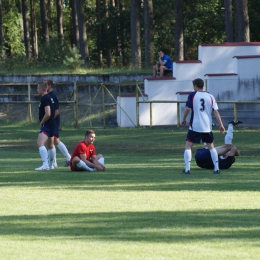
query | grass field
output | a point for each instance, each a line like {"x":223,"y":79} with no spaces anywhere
{"x":140,"y":208}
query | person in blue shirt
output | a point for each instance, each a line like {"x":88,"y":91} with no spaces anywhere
{"x":164,"y":63}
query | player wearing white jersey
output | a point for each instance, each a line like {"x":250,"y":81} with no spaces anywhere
{"x":201,"y":104}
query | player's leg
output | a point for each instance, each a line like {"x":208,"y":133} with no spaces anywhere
{"x":42,"y":138}
{"x":208,"y":139}
{"x":80,"y":165}
{"x":63,"y":149}
{"x":223,"y":149}
{"x":101,"y":158}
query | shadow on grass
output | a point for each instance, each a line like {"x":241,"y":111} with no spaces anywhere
{"x":151,"y":226}
{"x":138,"y":178}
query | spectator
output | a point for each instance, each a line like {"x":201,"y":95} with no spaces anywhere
{"x":164,"y":63}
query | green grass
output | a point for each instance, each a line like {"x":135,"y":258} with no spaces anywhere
{"x":140,"y":208}
{"x":34,"y":70}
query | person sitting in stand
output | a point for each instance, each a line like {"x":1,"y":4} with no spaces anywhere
{"x":164,"y":63}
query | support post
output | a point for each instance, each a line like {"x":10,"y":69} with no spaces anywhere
{"x":76,"y":111}
{"x":29,"y":104}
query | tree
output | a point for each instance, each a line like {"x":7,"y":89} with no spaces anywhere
{"x":178,"y":31}
{"x":148,"y":33}
{"x":82,"y":33}
{"x":59,"y":21}
{"x":26,"y":29}
{"x":34,"y":41}
{"x":44,"y":23}
{"x":1,"y":31}
{"x":228,"y":20}
{"x":98,"y":30}
{"x":74,"y":25}
{"x":241,"y":21}
{"x":135,"y":34}
{"x":106,"y":32}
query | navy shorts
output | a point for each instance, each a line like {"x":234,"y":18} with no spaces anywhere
{"x":204,"y":160}
{"x":47,"y":130}
{"x":57,"y":128}
{"x":196,"y":137}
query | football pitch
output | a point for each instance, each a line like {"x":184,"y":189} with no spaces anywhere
{"x":140,"y":208}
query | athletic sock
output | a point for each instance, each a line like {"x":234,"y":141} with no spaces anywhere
{"x":64,"y":150}
{"x":229,"y":134}
{"x":102,"y":160}
{"x":51,"y":155}
{"x":187,"y":159}
{"x":214,"y":157}
{"x":44,"y":155}
{"x":83,"y":166}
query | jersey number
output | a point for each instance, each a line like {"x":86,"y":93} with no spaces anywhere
{"x":202,"y":104}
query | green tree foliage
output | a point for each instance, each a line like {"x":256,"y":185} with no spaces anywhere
{"x":204,"y":22}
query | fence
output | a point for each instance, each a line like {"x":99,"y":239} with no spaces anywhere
{"x":233,"y":103}
{"x":81,"y":104}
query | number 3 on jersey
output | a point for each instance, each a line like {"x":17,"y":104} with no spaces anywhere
{"x":202,"y":103}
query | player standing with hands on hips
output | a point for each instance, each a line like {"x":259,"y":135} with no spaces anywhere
{"x":201,"y":104}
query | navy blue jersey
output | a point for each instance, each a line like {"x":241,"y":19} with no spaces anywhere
{"x":56,"y":104}
{"x":47,"y":100}
{"x":167,"y":60}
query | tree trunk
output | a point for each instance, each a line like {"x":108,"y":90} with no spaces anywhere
{"x":228,"y":20}
{"x":50,"y":15}
{"x":59,"y":21}
{"x":135,"y":34}
{"x":1,"y":31}
{"x":148,"y":33}
{"x":118,"y":42}
{"x":26,"y":31}
{"x":74,"y":25}
{"x":106,"y":31}
{"x":82,"y":33}
{"x":33,"y":30}
{"x":98,"y":30}
{"x":241,"y":21}
{"x":122,"y":35}
{"x":44,"y":23}
{"x":178,"y":31}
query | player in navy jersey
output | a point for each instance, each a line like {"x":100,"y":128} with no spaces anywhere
{"x":47,"y":124}
{"x":53,"y":164}
{"x":226,"y":152}
{"x":201,"y":104}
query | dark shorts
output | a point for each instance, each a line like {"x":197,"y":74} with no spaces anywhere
{"x":196,"y":137}
{"x":47,"y":130}
{"x":204,"y":160}
{"x":57,"y":128}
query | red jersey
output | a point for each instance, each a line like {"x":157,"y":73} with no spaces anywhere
{"x":82,"y":148}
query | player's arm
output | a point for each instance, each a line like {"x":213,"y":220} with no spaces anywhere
{"x":83,"y":158}
{"x":186,"y":112}
{"x":56,"y":113}
{"x":47,"y":115}
{"x":218,"y":117}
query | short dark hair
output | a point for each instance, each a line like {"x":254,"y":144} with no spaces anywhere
{"x":88,"y":132}
{"x":198,"y":82}
{"x":48,"y":82}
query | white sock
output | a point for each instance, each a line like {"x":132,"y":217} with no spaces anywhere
{"x":83,"y":166}
{"x":102,"y":160}
{"x":229,"y":134}
{"x":54,"y":155}
{"x":44,"y":155}
{"x":51,"y":154}
{"x":187,"y":159}
{"x":214,"y":157}
{"x":64,"y":150}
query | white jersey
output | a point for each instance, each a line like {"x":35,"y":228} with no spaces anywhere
{"x":202,"y":104}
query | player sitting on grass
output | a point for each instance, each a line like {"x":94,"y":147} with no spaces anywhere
{"x":226,"y":152}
